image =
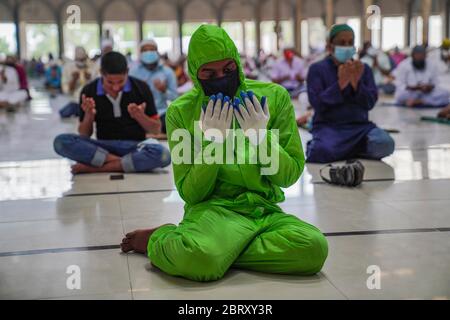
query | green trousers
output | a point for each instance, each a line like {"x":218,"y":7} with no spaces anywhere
{"x":211,"y":239}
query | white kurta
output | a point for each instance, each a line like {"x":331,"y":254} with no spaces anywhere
{"x":406,"y":75}
{"x":383,"y":63}
{"x":10,"y":91}
{"x":71,"y":67}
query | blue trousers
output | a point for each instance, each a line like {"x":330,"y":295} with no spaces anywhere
{"x":377,"y":145}
{"x":69,"y":110}
{"x":136,"y":156}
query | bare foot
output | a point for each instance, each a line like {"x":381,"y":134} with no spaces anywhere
{"x":159,"y":136}
{"x":83,"y":168}
{"x":137,"y":240}
{"x":111,"y":157}
{"x":410,"y":103}
{"x":444,"y":113}
{"x":413,"y":102}
{"x":112,"y":166}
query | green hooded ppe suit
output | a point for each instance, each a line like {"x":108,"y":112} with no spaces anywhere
{"x":231,"y":214}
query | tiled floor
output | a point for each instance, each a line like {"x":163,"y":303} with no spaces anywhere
{"x":50,"y":220}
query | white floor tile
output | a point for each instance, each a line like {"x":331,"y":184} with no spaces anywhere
{"x":150,"y":283}
{"x":413,"y":266}
{"x":44,"y":276}
{"x":62,"y":233}
{"x":80,"y":207}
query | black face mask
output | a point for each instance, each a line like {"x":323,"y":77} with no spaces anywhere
{"x":227,"y":85}
{"x":419,"y":64}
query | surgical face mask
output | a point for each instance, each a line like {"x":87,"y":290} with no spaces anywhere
{"x":419,"y":64}
{"x":344,"y":54}
{"x":149,"y":57}
{"x":227,"y":85}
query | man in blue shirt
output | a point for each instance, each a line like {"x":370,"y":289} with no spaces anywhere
{"x":160,"y":78}
{"x":342,"y":91}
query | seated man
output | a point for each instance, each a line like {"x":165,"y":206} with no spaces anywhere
{"x":381,"y":67}
{"x":76,"y":74}
{"x":342,"y":91}
{"x":231,"y":214}
{"x":160,"y":78}
{"x":289,"y":71}
{"x":11,"y":93}
{"x":53,"y":76}
{"x":123,"y":111}
{"x":417,"y":82}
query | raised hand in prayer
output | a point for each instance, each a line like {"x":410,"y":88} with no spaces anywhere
{"x":299,"y":78}
{"x":427,"y":88}
{"x":254,"y":118}
{"x":88,"y":106}
{"x":136,"y":111}
{"x":356,"y":72}
{"x":215,"y":120}
{"x":343,"y":76}
{"x":160,"y":85}
{"x":75,"y":75}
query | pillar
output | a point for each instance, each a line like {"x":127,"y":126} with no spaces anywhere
{"x":18,"y":31}
{"x":100,"y":28}
{"x":258,"y":28}
{"x":426,"y":11}
{"x":366,"y":35}
{"x":244,"y":37}
{"x":447,"y":19}
{"x":277,"y":27}
{"x":298,"y":26}
{"x":140,"y":21}
{"x":60,"y":28}
{"x":408,"y":23}
{"x":180,"y":18}
{"x":329,"y":13}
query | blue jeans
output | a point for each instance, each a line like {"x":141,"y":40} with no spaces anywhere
{"x":379,"y":145}
{"x":69,"y":110}
{"x":135,"y":156}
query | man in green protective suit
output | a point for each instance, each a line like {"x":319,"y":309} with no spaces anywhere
{"x":231,"y":214}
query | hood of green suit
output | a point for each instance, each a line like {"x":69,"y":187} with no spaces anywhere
{"x":211,"y":43}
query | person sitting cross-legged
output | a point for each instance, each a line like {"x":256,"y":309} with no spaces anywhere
{"x":342,"y":91}
{"x":123,"y":111}
{"x":417,"y":82}
{"x":232,"y":218}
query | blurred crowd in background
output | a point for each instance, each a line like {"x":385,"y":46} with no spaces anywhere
{"x":288,"y":68}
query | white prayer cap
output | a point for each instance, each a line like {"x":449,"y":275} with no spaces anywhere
{"x":149,"y":42}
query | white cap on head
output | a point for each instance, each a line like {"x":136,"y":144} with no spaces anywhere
{"x":149,"y":42}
